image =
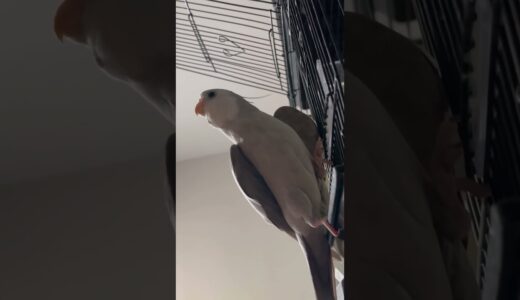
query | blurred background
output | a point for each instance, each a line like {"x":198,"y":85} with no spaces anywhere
{"x":475,"y":46}
{"x":82,"y":213}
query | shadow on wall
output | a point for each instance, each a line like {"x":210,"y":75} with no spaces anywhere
{"x":225,"y":250}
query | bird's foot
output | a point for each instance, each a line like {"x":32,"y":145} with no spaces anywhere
{"x":447,"y":150}
{"x":318,"y":159}
{"x":335,"y":232}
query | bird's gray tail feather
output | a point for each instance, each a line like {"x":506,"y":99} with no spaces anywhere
{"x":317,"y":251}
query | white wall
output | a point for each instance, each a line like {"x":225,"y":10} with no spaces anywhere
{"x":97,"y":234}
{"x":225,"y":251}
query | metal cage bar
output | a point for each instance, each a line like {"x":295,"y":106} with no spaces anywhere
{"x":235,"y":41}
{"x":312,"y":34}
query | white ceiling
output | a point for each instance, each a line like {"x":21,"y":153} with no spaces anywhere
{"x":195,"y":137}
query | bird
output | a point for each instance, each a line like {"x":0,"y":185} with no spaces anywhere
{"x":405,"y":82}
{"x":130,"y":40}
{"x":267,"y":150}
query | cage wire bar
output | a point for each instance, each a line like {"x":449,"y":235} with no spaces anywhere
{"x":314,"y":51}
{"x":237,"y":41}
{"x":312,"y":34}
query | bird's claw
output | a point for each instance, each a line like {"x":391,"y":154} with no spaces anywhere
{"x":453,"y":217}
{"x":325,"y":223}
{"x":448,"y":148}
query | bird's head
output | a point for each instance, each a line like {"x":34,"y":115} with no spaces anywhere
{"x":129,"y":40}
{"x":220,"y":107}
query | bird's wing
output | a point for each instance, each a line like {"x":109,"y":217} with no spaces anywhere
{"x":256,"y":190}
{"x":301,"y":123}
{"x":317,"y":251}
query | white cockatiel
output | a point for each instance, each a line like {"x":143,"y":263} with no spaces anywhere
{"x":285,"y":164}
{"x":131,"y":40}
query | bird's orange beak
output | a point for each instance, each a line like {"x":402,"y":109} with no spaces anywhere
{"x":199,"y":108}
{"x":68,"y":21}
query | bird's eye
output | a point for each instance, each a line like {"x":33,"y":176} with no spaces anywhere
{"x":211,"y":94}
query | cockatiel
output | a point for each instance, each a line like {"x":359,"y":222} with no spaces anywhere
{"x":281,"y":159}
{"x":131,"y":40}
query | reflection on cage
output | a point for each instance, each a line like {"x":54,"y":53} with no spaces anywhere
{"x":237,"y":41}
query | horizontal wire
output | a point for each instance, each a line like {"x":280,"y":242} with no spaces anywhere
{"x":254,"y":62}
{"x":247,"y":83}
{"x":249,"y":70}
{"x":201,"y":12}
{"x":224,"y":30}
{"x":241,"y":5}
{"x":225,"y":8}
{"x":224,"y":21}
{"x":223,"y":71}
{"x":271,"y":76}
{"x":273,"y":79}
{"x":268,"y":23}
{"x":223,"y":45}
{"x":266,"y":62}
{"x":243,"y":40}
{"x":226,"y":65}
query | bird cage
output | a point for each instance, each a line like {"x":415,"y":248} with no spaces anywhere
{"x":237,"y":41}
{"x":292,"y":47}
{"x":312,"y":34}
{"x":476,"y":45}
